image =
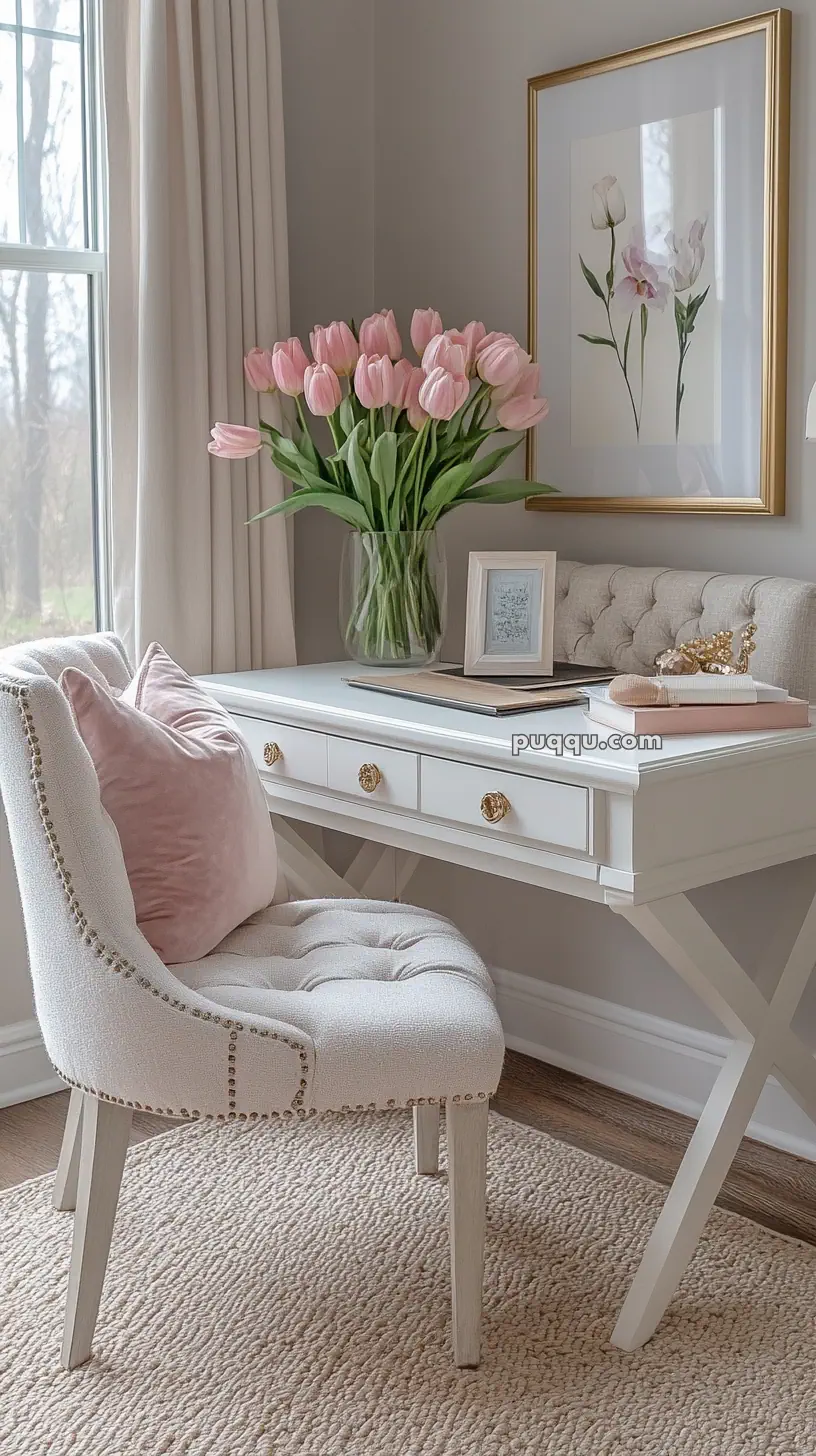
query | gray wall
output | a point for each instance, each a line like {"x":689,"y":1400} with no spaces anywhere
{"x":328,"y":94}
{"x":447,"y":198}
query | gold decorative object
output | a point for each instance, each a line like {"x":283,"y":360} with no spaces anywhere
{"x":709,"y":654}
{"x":369,"y":777}
{"x":272,"y":753}
{"x":494,"y":806}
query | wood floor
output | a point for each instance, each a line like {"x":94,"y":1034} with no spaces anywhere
{"x":775,"y":1189}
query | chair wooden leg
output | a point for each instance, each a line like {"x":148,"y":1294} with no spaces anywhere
{"x":105,"y":1133}
{"x":467,"y":1158}
{"x":426,"y":1138}
{"x":64,"y":1192}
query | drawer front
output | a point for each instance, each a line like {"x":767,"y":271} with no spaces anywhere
{"x":539,"y":810}
{"x":369,"y":771}
{"x":283,"y":752}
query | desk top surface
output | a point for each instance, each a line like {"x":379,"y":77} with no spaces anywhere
{"x":317,"y":697}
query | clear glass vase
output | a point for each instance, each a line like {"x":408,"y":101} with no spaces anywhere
{"x":393,"y":590}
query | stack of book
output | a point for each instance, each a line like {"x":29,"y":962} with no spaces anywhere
{"x":700,"y":703}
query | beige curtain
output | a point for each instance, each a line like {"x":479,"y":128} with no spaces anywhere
{"x":198,"y":274}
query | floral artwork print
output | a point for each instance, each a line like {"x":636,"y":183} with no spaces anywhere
{"x":638,"y":286}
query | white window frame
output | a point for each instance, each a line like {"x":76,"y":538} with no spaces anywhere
{"x":90,"y":261}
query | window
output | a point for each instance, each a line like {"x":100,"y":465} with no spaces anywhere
{"x":51,"y":309}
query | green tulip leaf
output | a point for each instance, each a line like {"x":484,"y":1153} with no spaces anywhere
{"x":343,"y":452}
{"x":501,"y":492}
{"x":491,"y":462}
{"x":346,"y":415}
{"x":447,"y":487}
{"x":292,"y":464}
{"x":384,"y":462}
{"x":358,"y":470}
{"x":592,"y":280}
{"x":340,"y":505}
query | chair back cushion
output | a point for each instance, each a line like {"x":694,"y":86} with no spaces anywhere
{"x":180,"y":785}
{"x":623,"y":616}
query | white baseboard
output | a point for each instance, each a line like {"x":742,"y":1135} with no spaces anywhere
{"x":661,"y":1061}
{"x":25,"y":1071}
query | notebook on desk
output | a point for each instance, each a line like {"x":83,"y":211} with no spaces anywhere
{"x":497,"y":696}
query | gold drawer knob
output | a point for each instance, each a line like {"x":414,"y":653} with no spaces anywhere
{"x":494,"y":806}
{"x":273,"y":753}
{"x":369,"y":777}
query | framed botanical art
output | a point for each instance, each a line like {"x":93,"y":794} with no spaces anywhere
{"x":510,"y":613}
{"x":658,"y":274}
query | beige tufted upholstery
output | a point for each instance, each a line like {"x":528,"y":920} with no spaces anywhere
{"x":623,"y":616}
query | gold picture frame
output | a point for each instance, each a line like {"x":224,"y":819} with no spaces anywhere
{"x":775,"y":26}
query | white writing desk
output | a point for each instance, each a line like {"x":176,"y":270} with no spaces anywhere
{"x":633,"y":829}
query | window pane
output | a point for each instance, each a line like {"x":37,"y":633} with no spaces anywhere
{"x":46,"y":499}
{"x":9,"y":196}
{"x":60,"y":15}
{"x":8,"y":12}
{"x":52,"y":120}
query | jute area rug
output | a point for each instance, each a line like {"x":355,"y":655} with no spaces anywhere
{"x":284,"y":1292}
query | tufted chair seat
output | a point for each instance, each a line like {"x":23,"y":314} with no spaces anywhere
{"x":374,"y":987}
{"x":308,"y":1006}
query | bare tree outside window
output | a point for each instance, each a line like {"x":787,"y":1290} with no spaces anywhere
{"x":50,"y":277}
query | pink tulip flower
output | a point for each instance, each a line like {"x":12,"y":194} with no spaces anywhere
{"x":258,"y":371}
{"x":501,"y":362}
{"x":528,"y":383}
{"x":425,"y":325}
{"x":446,"y":351}
{"x":289,"y":364}
{"x":472,"y":336}
{"x":402,"y":373}
{"x":335,"y":345}
{"x":443,"y":393}
{"x":234,"y":442}
{"x":416,"y":414}
{"x":522,"y":412}
{"x":374,"y":380}
{"x":322,"y":389}
{"x":494,"y":338}
{"x":379,"y":335}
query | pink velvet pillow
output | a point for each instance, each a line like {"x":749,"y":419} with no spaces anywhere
{"x":179,"y":784}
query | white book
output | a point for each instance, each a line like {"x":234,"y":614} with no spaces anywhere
{"x":709,"y":688}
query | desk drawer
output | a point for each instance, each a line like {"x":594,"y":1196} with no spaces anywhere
{"x":540,"y":810}
{"x":295,"y":753}
{"x":369,"y":771}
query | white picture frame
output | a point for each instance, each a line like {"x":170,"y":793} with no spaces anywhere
{"x":510,"y":614}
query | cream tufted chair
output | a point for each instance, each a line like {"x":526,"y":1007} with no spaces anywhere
{"x":309,"y":1006}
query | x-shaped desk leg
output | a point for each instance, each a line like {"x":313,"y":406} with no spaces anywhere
{"x":763,"y":1043}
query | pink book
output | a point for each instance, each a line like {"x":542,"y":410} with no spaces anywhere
{"x":701,"y":717}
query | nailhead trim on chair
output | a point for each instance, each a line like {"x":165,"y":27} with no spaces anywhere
{"x":196,"y":1116}
{"x":112,"y":959}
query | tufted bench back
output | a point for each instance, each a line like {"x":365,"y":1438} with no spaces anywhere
{"x":623,"y":616}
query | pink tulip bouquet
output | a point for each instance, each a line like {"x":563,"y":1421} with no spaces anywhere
{"x":408,"y":447}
